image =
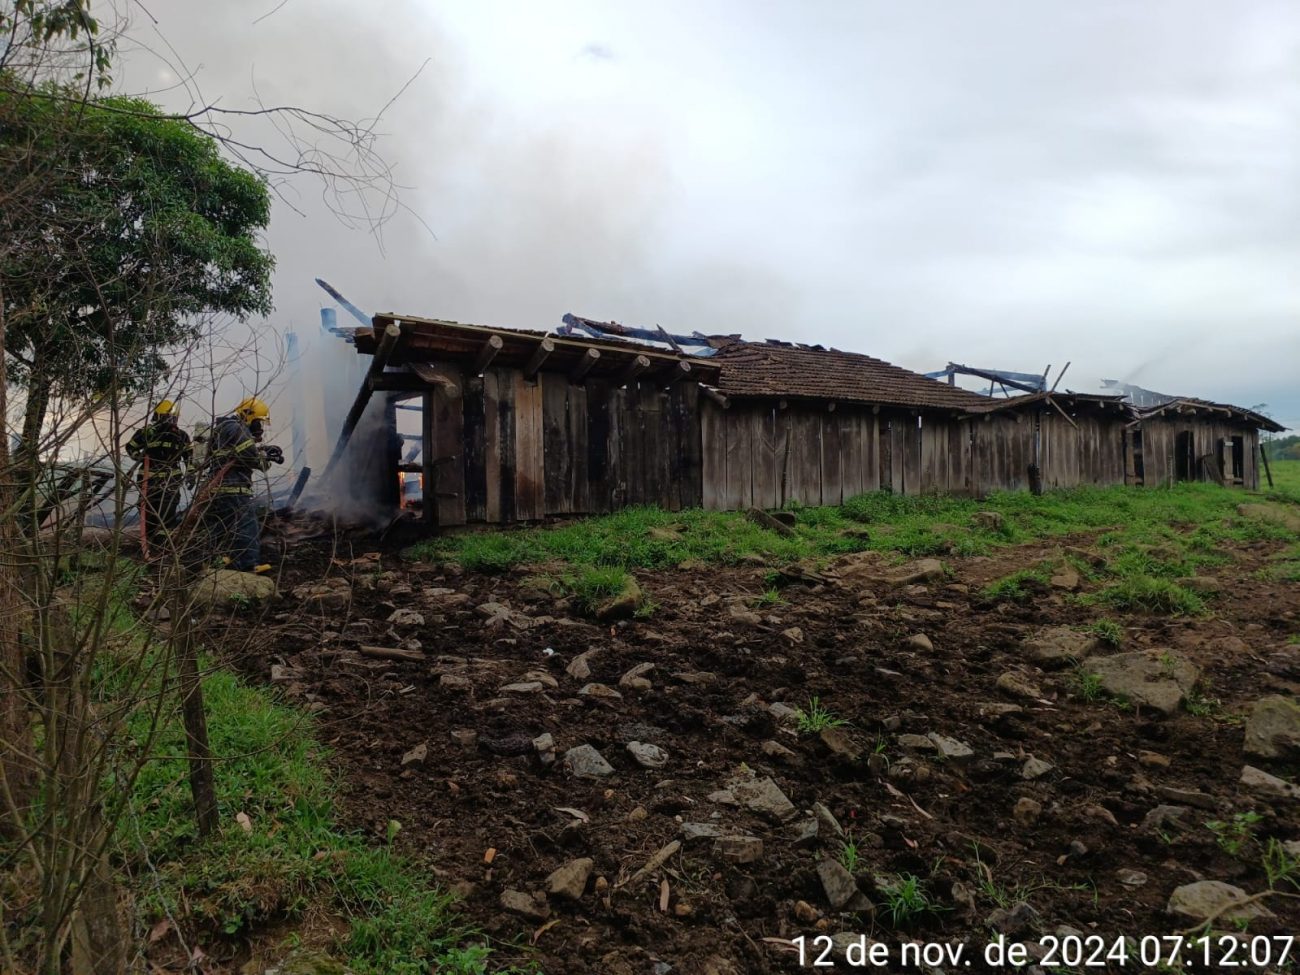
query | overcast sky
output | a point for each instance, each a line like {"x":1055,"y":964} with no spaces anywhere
{"x":1005,"y":184}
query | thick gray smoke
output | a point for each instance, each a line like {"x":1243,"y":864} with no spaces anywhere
{"x":1005,"y":183}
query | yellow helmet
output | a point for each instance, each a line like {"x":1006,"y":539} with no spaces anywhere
{"x":165,"y":408}
{"x":252,"y":409}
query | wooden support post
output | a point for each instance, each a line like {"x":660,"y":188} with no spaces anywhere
{"x":712,"y":394}
{"x":486,"y":354}
{"x":1267,"y":470}
{"x":384,"y":351}
{"x":544,"y":348}
{"x":638,"y":365}
{"x":428,"y":492}
{"x":589,"y":359}
{"x":680,"y":370}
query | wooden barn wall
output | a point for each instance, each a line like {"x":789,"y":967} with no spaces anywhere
{"x":756,"y":455}
{"x":510,"y":449}
{"x":1159,"y":440}
{"x":515,"y":449}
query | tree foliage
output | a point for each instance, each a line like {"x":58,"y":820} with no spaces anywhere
{"x":121,"y":230}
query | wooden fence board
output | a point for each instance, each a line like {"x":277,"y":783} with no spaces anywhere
{"x":449,"y":442}
{"x":740,"y":462}
{"x":832,"y":460}
{"x":529,"y":473}
{"x":492,"y":453}
{"x":559,"y":447}
{"x":686,"y":397}
{"x":713,"y":456}
{"x":475,"y":451}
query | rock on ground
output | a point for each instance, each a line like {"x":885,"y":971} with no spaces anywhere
{"x":570,"y":880}
{"x":1273,"y":728}
{"x":587,"y":763}
{"x":224,"y":586}
{"x":623,"y":605}
{"x":1206,"y":897}
{"x":1057,"y":646}
{"x":1158,"y":679}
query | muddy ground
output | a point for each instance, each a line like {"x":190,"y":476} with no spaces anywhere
{"x":445,"y":745}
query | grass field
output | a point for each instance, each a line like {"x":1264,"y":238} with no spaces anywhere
{"x":1150,"y":538}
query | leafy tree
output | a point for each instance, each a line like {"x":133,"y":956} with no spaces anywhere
{"x":127,"y":229}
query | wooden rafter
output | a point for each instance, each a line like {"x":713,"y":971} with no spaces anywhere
{"x":636,"y":365}
{"x":544,"y":348}
{"x":589,"y":359}
{"x":383,"y":352}
{"x":676,"y":373}
{"x":487,"y":353}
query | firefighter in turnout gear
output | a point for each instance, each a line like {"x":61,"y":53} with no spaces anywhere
{"x":235,"y":452}
{"x":163,"y":451}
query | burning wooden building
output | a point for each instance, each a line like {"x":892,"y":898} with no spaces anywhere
{"x":518,"y":426}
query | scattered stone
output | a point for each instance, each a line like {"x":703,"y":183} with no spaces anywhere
{"x":1015,"y":685}
{"x":1152,"y":760}
{"x":531,"y":906}
{"x":783,"y":713}
{"x":997,"y":710}
{"x":543,"y":678}
{"x":700,"y":831}
{"x":827,"y":821}
{"x":916,"y":743}
{"x":1057,"y":646}
{"x":950,"y":749}
{"x":738,"y":849}
{"x":794,"y":634}
{"x":839,"y":743}
{"x":989,"y":520}
{"x":600,"y":692}
{"x":623,"y":605}
{"x":741,"y":613}
{"x":647,"y":755}
{"x":837,"y":883}
{"x":1027,"y":811}
{"x":765,"y":797}
{"x":1092,"y":810}
{"x":1164,"y":815}
{"x":1187,"y":797}
{"x":587,"y":763}
{"x":635,"y":677}
{"x":455,"y":682}
{"x":544,"y":744}
{"x":805,"y":913}
{"x":1284,"y":663}
{"x":775,"y":750}
{"x":637,"y":815}
{"x":1158,"y":679}
{"x":570,"y":880}
{"x":919,"y":571}
{"x":580,"y":666}
{"x":405,"y":617}
{"x":220,"y":587}
{"x":1014,"y":920}
{"x":524,"y":687}
{"x":1206,"y":898}
{"x":1273,"y":728}
{"x":416,"y":755}
{"x":921,"y":642}
{"x":1130,"y":878}
{"x":804,"y":832}
{"x":1035,"y":768}
{"x":1066,"y":578}
{"x":1259,"y":781}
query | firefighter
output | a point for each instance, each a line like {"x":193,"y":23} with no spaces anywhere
{"x":235,"y":452}
{"x":163,"y":451}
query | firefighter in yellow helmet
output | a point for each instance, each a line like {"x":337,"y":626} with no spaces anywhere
{"x":163,"y":451}
{"x":235,"y":451}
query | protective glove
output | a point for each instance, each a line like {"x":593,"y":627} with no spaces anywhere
{"x":274,"y":454}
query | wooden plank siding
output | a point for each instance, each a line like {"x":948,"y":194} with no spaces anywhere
{"x":513,"y":449}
